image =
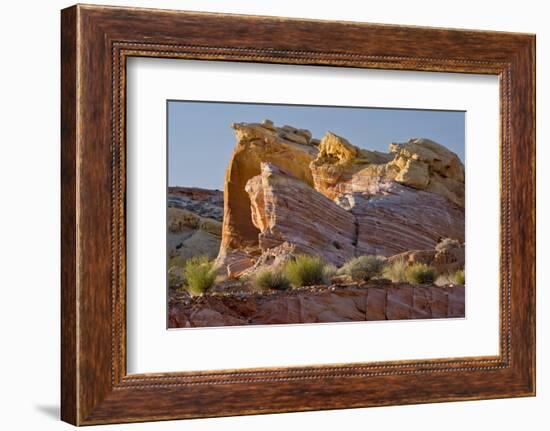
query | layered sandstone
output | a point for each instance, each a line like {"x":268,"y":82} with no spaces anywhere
{"x":287,"y":147}
{"x":342,"y":304}
{"x":334,"y":199}
{"x":285,"y":209}
{"x":402,"y":218}
{"x":342,"y":169}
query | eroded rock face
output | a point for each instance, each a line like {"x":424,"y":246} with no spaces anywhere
{"x":333,"y":199}
{"x":422,"y":164}
{"x":342,"y":304}
{"x":285,"y":209}
{"x":401,"y":218}
{"x":287,"y":147}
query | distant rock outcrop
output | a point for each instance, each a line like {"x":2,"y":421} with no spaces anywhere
{"x":334,"y":199}
{"x":194,"y":227}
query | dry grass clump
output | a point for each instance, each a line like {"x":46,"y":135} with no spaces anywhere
{"x":200,"y":275}
{"x":305,"y":270}
{"x":396,"y":271}
{"x":363,"y":268}
{"x":420,"y":273}
{"x":456,"y":277}
{"x":271,"y":279}
{"x":459,"y":277}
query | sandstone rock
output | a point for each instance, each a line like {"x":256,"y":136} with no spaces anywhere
{"x":236,"y":263}
{"x":407,"y":199}
{"x":202,"y":202}
{"x":191,"y":231}
{"x":274,"y":258}
{"x":257,"y":143}
{"x":179,"y":219}
{"x":342,"y":168}
{"x":396,"y":219}
{"x":401,"y":218}
{"x":447,"y":256}
{"x":427,"y":165}
{"x":285,"y":209}
{"x":342,"y":304}
{"x":336,"y":150}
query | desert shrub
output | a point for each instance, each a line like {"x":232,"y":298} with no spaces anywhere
{"x":200,"y":274}
{"x":459,"y":277}
{"x":271,"y":279}
{"x":362,"y":268}
{"x":420,"y":273}
{"x":396,"y":271}
{"x":305,"y":270}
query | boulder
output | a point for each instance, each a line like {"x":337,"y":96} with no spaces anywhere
{"x":447,"y":256}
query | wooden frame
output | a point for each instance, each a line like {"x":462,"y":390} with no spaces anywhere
{"x":96,"y":41}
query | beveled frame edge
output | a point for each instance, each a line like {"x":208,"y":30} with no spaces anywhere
{"x":95,"y":43}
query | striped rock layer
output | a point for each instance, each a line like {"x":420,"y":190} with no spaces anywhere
{"x":344,"y":304}
{"x":334,"y":199}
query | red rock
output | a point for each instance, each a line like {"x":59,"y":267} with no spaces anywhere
{"x":447,"y":256}
{"x":341,"y":304}
{"x":403,"y":219}
{"x":285,"y":209}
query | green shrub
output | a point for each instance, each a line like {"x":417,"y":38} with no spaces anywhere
{"x":305,"y":270}
{"x":200,"y":274}
{"x":363,"y":268}
{"x":420,"y":273}
{"x":271,"y":279}
{"x":396,"y":271}
{"x":459,"y":277}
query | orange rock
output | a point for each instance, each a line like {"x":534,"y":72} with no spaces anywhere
{"x":257,"y":143}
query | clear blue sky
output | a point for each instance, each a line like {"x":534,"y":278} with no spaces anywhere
{"x":200,"y":140}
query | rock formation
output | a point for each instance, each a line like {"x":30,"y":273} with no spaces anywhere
{"x":447,"y":256}
{"x":334,"y":199}
{"x":346,"y":304}
{"x":282,"y":209}
{"x":287,"y":147}
{"x":194,"y":227}
{"x":342,"y":169}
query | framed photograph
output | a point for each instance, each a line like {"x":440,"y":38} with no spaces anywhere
{"x":264,"y":215}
